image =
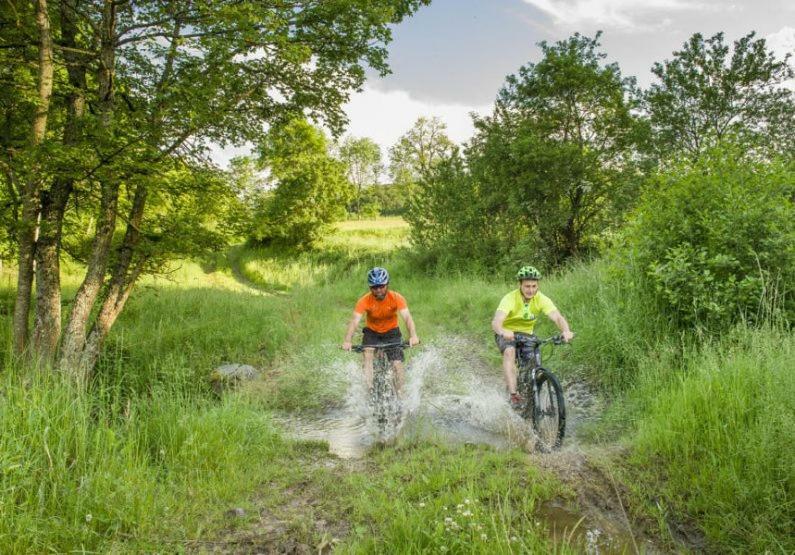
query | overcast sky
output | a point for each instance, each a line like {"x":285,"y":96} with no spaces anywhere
{"x":452,"y":57}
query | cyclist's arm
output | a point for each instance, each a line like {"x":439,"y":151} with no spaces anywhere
{"x":352,"y":325}
{"x":496,"y":325}
{"x":562,"y":325}
{"x":406,"y":315}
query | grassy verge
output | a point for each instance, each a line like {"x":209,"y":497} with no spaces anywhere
{"x":421,"y":498}
{"x":97,"y":471}
{"x":719,"y":445}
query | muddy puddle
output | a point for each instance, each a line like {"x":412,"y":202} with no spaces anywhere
{"x":567,"y":526}
{"x":455,"y":398}
{"x":449,"y":397}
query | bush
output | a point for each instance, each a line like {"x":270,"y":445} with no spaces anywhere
{"x":714,"y":240}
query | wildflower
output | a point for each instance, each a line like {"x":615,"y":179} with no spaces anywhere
{"x":484,"y":537}
{"x":466,"y":513}
{"x":467,"y":501}
{"x":514,"y":539}
{"x":459,"y":506}
{"x":89,"y":517}
{"x":448,"y":520}
{"x":422,"y":504}
{"x":445,"y":507}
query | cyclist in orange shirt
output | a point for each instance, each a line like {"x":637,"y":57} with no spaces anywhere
{"x":382,"y":307}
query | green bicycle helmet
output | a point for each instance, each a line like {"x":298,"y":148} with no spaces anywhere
{"x":528,"y":272}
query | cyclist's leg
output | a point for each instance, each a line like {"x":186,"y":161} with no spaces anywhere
{"x":400,"y":375}
{"x":509,"y":368}
{"x":369,"y":337}
{"x":367,"y":367}
{"x":508,"y":362}
{"x":396,"y":357}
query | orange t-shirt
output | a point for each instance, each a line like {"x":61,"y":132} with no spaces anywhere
{"x":381,"y":315}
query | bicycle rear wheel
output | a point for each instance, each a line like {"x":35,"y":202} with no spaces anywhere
{"x":549,"y":410}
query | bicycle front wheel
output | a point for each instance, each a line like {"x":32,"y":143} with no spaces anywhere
{"x":549,"y":410}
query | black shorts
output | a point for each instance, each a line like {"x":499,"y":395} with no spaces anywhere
{"x":503,"y":344}
{"x":373,"y":338}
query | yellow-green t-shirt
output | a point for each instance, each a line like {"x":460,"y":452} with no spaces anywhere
{"x":521,"y":315}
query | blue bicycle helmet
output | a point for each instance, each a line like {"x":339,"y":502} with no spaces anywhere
{"x":377,"y":276}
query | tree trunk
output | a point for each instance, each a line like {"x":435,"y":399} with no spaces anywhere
{"x":75,"y":336}
{"x":120,"y":285}
{"x":30,"y":196}
{"x":111,"y":309}
{"x":47,"y":329}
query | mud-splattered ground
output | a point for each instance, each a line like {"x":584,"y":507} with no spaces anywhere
{"x":454,"y":396}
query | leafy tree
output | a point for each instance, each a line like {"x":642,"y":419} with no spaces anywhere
{"x":390,"y":199}
{"x":362,"y":157}
{"x":714,"y":239}
{"x":709,"y":92}
{"x":417,"y":150}
{"x":107,"y":97}
{"x":311,"y":188}
{"x":551,"y":169}
{"x":250,"y":188}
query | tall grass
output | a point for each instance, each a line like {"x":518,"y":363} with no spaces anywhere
{"x":724,"y":438}
{"x":88,"y":471}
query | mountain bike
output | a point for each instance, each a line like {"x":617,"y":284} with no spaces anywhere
{"x":386,"y":405}
{"x":543,"y":402}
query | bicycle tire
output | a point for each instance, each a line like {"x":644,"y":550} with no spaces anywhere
{"x":549,"y":410}
{"x":380,"y":388}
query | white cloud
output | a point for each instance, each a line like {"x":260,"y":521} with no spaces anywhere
{"x":782,"y":43}
{"x":626,"y":14}
{"x":384,"y":116}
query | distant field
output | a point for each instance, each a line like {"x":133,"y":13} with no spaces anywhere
{"x":378,"y":223}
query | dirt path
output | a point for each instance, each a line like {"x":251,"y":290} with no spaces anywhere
{"x":597,"y":510}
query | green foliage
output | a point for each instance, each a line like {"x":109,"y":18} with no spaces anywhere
{"x":706,"y":95}
{"x":389,"y":199}
{"x":547,"y":173}
{"x":715,"y":240}
{"x":724,"y":433}
{"x":311,"y":188}
{"x":418,"y":150}
{"x":362,"y":158}
{"x":450,"y":218}
{"x":138,"y":93}
{"x":249,"y":186}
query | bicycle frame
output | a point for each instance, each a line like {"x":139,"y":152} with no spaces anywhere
{"x":531,"y":375}
{"x":528,"y":355}
{"x":386,"y":404}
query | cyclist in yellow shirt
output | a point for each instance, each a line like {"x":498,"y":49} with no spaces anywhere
{"x":518,"y":312}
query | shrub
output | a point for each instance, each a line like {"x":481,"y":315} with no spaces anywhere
{"x":714,"y":240}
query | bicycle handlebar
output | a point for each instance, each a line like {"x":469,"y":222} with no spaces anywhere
{"x":382,"y":346}
{"x":533,"y":341}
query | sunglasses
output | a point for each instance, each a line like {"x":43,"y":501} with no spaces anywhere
{"x":376,"y":287}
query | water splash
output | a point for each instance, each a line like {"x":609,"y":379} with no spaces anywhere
{"x":450,"y":395}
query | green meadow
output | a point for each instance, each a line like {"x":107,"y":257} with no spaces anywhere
{"x":151,"y":457}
